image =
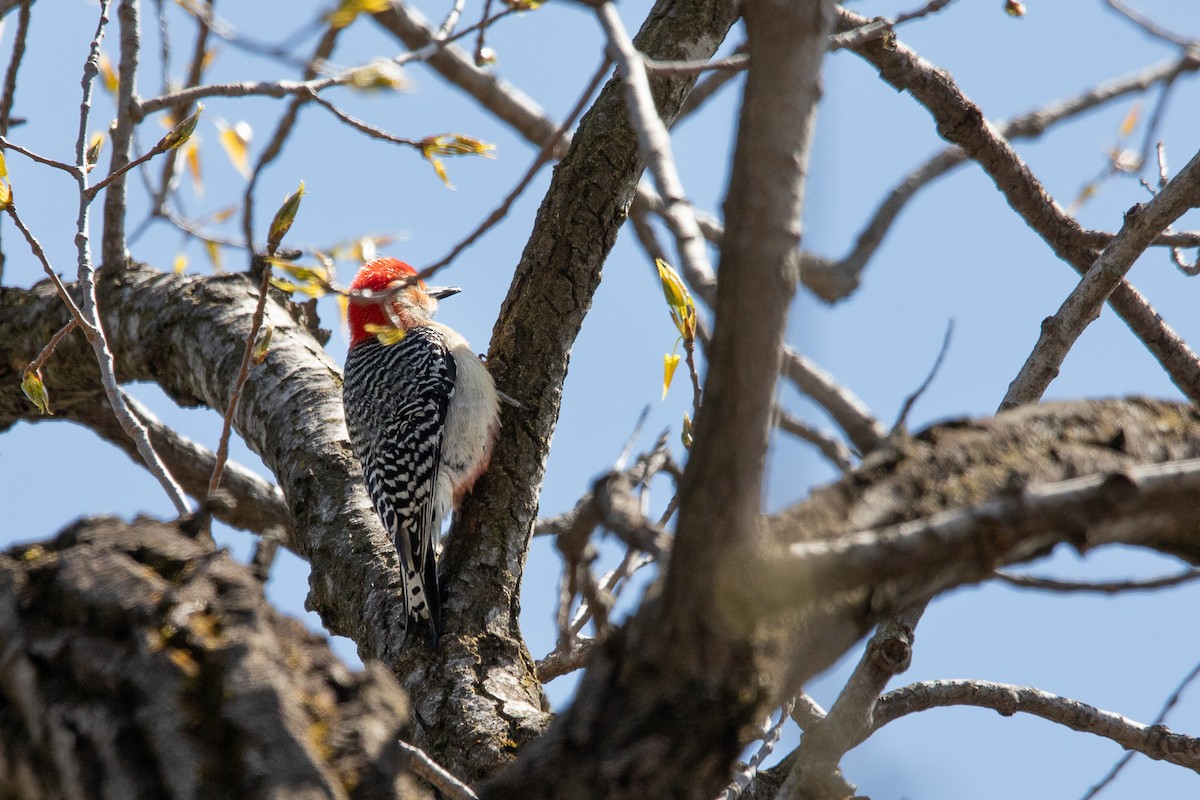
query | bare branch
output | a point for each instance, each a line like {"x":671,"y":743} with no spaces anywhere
{"x":14,"y":66}
{"x":909,"y":401}
{"x":850,"y":720}
{"x":1149,"y":26}
{"x":962,"y":123}
{"x":843,"y":406}
{"x":745,"y":775}
{"x":1156,"y":741}
{"x":1082,"y":306}
{"x":1099,"y":587}
{"x":505,"y":101}
{"x":557,"y":664}
{"x":239,"y":382}
{"x":253,"y":504}
{"x":543,"y":156}
{"x":1095,"y":510}
{"x":283,"y":129}
{"x":654,"y":143}
{"x":826,"y":443}
{"x":709,"y":87}
{"x":113,"y":245}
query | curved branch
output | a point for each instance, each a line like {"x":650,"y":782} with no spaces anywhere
{"x":502,"y":99}
{"x":1099,"y":587}
{"x":982,"y":514}
{"x":1156,"y":741}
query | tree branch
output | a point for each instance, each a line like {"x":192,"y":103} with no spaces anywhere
{"x":254,"y":504}
{"x":551,"y":292}
{"x":1156,"y":741}
{"x":961,"y":122}
{"x":676,"y":662}
{"x":1083,"y":304}
{"x":188,"y":335}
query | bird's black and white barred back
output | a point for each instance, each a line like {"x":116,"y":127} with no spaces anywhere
{"x":423,"y":415}
{"x":397,"y":397}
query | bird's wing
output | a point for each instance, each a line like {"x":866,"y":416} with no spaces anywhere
{"x":409,"y":396}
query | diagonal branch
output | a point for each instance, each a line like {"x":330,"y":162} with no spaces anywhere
{"x":834,"y":279}
{"x":961,"y":122}
{"x":1082,"y":306}
{"x":654,"y":144}
{"x":1152,"y":505}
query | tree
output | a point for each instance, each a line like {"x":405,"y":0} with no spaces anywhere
{"x":142,"y":661}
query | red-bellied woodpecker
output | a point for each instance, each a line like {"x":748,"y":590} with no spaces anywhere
{"x":422,"y":414}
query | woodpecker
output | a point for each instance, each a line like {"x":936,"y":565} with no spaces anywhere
{"x":422,"y":414}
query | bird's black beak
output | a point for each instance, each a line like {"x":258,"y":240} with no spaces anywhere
{"x":442,"y":292}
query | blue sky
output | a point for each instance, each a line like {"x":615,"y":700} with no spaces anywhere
{"x":957,"y":252}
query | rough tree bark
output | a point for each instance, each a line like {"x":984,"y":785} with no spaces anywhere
{"x":140,"y":662}
{"x":661,"y":709}
{"x":495,"y":688}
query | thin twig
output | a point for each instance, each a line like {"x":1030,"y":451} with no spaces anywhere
{"x":734,"y":63}
{"x":182,"y":109}
{"x":544,"y":155}
{"x":302,"y":88}
{"x":89,"y":308}
{"x":1149,"y":26}
{"x":902,"y":417}
{"x":14,"y":65}
{"x":1082,"y":306}
{"x":70,"y":169}
{"x":1153,"y":740}
{"x":850,"y":413}
{"x":826,"y":443}
{"x":40,"y":254}
{"x":708,"y":87}
{"x":48,"y":350}
{"x":932,"y":7}
{"x":243,"y":372}
{"x":113,"y":244}
{"x":282,"y":130}
{"x":743,"y":777}
{"x":253,"y":505}
{"x":1158,"y":720}
{"x":91,"y":191}
{"x":450,"y":22}
{"x":481,"y":40}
